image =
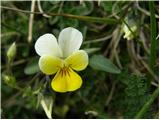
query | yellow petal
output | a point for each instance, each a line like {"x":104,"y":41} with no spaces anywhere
{"x":66,"y":80}
{"x":78,"y":60}
{"x":49,"y":64}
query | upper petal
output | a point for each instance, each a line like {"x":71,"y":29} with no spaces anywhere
{"x":78,"y":60}
{"x":49,"y":64}
{"x":66,"y":80}
{"x":47,"y":45}
{"x":70,"y":40}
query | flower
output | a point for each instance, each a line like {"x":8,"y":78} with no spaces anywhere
{"x":131,"y":33}
{"x":128,"y":34}
{"x":62,"y":58}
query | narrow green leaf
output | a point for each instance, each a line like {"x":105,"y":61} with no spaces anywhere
{"x":147,"y":105}
{"x":154,"y":42}
{"x":99,"y":62}
{"x":93,"y":19}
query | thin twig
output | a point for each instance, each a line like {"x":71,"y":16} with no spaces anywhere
{"x":154,"y":84}
{"x":98,"y":40}
{"x":148,"y":69}
{"x":118,"y":60}
{"x":99,"y":2}
{"x":80,"y":1}
{"x":8,"y":34}
{"x":31,"y":21}
{"x":116,"y":39}
{"x":144,"y":11}
{"x":41,"y":10}
{"x":111,"y":44}
{"x":144,"y":40}
{"x":110,"y":94}
{"x":99,"y":27}
{"x":79,"y":17}
{"x":17,"y":63}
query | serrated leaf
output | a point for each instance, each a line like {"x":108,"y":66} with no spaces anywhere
{"x":32,"y":67}
{"x":99,"y":62}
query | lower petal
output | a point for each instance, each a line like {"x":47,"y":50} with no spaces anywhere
{"x":66,"y":80}
{"x":74,"y":81}
{"x":59,"y":83}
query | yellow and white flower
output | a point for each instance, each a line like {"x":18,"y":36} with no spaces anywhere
{"x":127,"y":33}
{"x":62,"y":58}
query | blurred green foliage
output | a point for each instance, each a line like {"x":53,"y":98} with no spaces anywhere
{"x":103,"y":94}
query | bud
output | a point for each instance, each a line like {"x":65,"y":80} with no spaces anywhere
{"x":11,"y":53}
{"x":9,"y":80}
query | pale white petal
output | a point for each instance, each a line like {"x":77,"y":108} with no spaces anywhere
{"x":70,"y":40}
{"x":47,"y":45}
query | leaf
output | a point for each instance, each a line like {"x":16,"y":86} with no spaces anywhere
{"x":99,"y":62}
{"x":32,"y":67}
{"x":27,"y":92}
{"x":47,"y":103}
{"x":84,"y":9}
{"x":107,"y":6}
{"x":154,"y":41}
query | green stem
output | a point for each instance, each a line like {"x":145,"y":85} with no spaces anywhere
{"x":147,"y":104}
{"x":79,"y":17}
{"x":152,"y":58}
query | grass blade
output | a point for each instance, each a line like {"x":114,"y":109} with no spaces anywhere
{"x":154,"y":42}
{"x":148,"y":104}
